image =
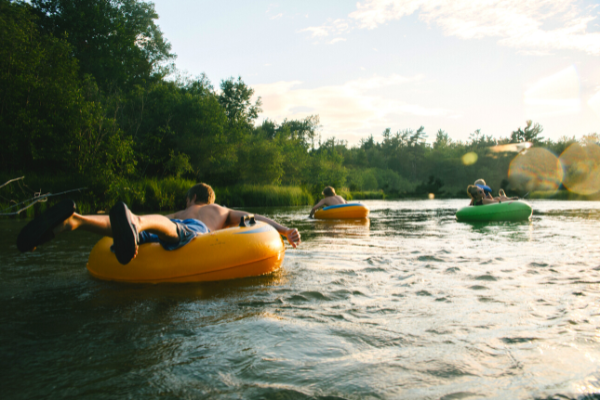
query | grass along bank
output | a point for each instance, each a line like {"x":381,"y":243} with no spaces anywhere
{"x":143,"y":196}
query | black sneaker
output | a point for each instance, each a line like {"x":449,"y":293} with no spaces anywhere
{"x":125,"y":236}
{"x":40,"y":230}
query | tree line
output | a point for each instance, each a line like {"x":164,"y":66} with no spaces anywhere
{"x":89,"y":92}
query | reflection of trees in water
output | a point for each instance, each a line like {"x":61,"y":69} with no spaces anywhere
{"x":569,"y":214}
{"x":342,"y":227}
{"x":409,"y":221}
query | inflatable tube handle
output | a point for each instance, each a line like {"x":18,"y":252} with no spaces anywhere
{"x":249,"y":218}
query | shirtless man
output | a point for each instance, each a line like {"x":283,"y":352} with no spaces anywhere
{"x":331,"y":199}
{"x":129,"y":231}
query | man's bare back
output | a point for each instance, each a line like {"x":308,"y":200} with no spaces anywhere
{"x":334,"y":200}
{"x":327,"y":201}
{"x":214,"y":216}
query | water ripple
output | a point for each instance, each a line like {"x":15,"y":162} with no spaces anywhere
{"x":408,"y":305}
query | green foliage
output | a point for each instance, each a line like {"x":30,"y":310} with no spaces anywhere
{"x":51,"y":120}
{"x":116,"y":41}
{"x":178,"y":164}
{"x":263,"y":195}
{"x":325,"y":167}
{"x":235,"y":99}
{"x":530,"y":133}
{"x":368,"y":195}
{"x":151,"y":194}
{"x":260,"y":162}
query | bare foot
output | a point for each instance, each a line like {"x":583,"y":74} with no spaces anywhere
{"x":67,"y":225}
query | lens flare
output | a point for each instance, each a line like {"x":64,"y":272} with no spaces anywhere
{"x":470,"y":158}
{"x":582,"y":168}
{"x":535,"y":169}
{"x":510,"y":147}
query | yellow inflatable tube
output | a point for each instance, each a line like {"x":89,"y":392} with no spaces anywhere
{"x":343,"y":211}
{"x":225,"y":254}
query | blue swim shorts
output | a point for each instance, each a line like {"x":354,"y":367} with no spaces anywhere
{"x":187,"y":230}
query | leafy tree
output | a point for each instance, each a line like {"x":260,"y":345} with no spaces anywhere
{"x":235,"y":98}
{"x":267,"y":129}
{"x":530,"y":133}
{"x":260,"y":162}
{"x":442,"y":140}
{"x":50,"y":120}
{"x":302,"y":130}
{"x":178,"y":164}
{"x":368,"y":143}
{"x":116,"y":41}
{"x":433,"y":185}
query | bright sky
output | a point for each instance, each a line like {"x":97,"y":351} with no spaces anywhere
{"x":456,"y":65}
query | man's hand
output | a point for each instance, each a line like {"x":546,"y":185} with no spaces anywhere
{"x":292,"y":236}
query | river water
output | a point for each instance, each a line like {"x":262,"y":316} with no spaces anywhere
{"x":410,"y":305}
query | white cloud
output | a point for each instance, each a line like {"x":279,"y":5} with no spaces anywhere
{"x":316,"y":31}
{"x":347,"y":110}
{"x":554,"y":95}
{"x":332,"y":27}
{"x":336,"y":40}
{"x":532,"y":24}
{"x":376,"y":12}
{"x":277,"y":16}
{"x":537,"y":53}
{"x":594,"y":103}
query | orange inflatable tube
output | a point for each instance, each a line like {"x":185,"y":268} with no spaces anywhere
{"x":343,"y":211}
{"x":225,"y":254}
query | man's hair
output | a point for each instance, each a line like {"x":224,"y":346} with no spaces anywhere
{"x":472,"y":191}
{"x":480,"y":182}
{"x":203,"y":192}
{"x":329,"y":191}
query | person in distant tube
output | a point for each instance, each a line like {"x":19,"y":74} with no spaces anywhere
{"x":479,"y":197}
{"x":480,"y":183}
{"x":331,"y":199}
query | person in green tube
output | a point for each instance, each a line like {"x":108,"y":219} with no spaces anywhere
{"x":488,"y":193}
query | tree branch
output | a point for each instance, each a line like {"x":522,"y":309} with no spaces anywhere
{"x":12,"y":180}
{"x":32,"y":201}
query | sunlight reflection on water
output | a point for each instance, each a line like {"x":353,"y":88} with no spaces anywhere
{"x":407,"y":304}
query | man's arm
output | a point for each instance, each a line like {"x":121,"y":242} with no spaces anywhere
{"x":490,"y":201}
{"x":316,"y":207}
{"x":291,"y":234}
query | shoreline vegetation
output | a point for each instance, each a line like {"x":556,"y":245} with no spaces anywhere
{"x":165,"y":195}
{"x":91,"y":98}
{"x":161,"y":195}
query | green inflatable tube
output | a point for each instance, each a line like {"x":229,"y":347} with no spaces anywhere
{"x":507,"y":211}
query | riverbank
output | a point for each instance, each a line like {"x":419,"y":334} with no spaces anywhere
{"x":162,"y":195}
{"x":153,"y":195}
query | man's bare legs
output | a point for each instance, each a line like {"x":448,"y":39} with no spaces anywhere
{"x":160,"y":225}
{"x":121,"y":224}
